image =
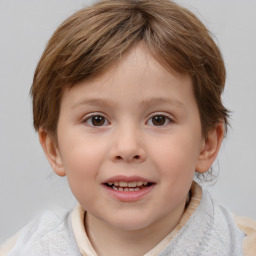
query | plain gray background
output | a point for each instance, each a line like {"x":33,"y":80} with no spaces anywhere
{"x":27,"y":184}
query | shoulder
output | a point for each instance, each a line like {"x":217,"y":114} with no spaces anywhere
{"x":223,"y":234}
{"x":44,"y":224}
{"x":8,"y":245}
{"x":49,"y":230}
{"x":239,"y":229}
{"x":248,"y":226}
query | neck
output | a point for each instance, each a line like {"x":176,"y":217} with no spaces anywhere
{"x":108,"y":240}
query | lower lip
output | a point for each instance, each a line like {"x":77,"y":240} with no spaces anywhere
{"x":129,"y":196}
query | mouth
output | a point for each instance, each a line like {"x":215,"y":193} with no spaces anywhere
{"x":132,"y":186}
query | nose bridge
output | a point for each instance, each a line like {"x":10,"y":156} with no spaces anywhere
{"x":127,"y":144}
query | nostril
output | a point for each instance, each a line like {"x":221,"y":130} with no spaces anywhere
{"x":134,"y":157}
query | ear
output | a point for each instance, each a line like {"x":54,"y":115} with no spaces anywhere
{"x":210,"y":148}
{"x":51,"y":151}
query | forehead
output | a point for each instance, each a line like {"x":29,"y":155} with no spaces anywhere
{"x":137,"y":75}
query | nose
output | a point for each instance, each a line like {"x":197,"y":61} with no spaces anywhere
{"x":128,"y":146}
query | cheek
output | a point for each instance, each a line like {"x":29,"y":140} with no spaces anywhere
{"x":80,"y":153}
{"x":176,"y":161}
{"x":82,"y":160}
{"x":177,"y":155}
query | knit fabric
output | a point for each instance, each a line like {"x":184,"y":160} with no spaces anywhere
{"x":209,"y":230}
{"x":48,"y":235}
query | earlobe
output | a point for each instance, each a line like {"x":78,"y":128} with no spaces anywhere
{"x":51,"y":151}
{"x":210,"y":148}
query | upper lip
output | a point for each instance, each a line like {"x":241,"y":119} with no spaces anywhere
{"x":120,"y":178}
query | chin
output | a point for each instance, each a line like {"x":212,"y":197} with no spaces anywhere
{"x":129,"y":223}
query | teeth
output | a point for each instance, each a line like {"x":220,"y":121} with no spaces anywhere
{"x":127,"y":186}
{"x":132,"y":184}
{"x":124,"y":184}
{"x":125,"y":189}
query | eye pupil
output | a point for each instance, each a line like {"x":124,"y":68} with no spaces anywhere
{"x":158,"y":120}
{"x":98,"y":120}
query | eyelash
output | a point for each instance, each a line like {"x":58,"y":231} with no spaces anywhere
{"x":102,"y":121}
{"x":167,"y":119}
{"x":89,"y":120}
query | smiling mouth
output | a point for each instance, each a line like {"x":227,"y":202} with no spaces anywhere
{"x":128,"y":186}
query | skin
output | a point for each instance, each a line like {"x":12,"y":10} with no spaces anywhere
{"x":129,"y":99}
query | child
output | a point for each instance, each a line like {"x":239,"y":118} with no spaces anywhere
{"x":127,"y":104}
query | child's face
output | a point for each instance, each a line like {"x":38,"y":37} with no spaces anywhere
{"x":136,"y":123}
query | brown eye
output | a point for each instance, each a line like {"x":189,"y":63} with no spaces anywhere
{"x":158,"y":120}
{"x":97,"y":121}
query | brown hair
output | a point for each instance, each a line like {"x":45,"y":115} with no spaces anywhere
{"x":95,"y":37}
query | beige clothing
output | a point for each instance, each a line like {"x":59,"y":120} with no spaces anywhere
{"x":246,"y":225}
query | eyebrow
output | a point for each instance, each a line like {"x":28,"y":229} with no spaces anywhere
{"x":93,"y":102}
{"x":145,"y":102}
{"x":163,"y":100}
